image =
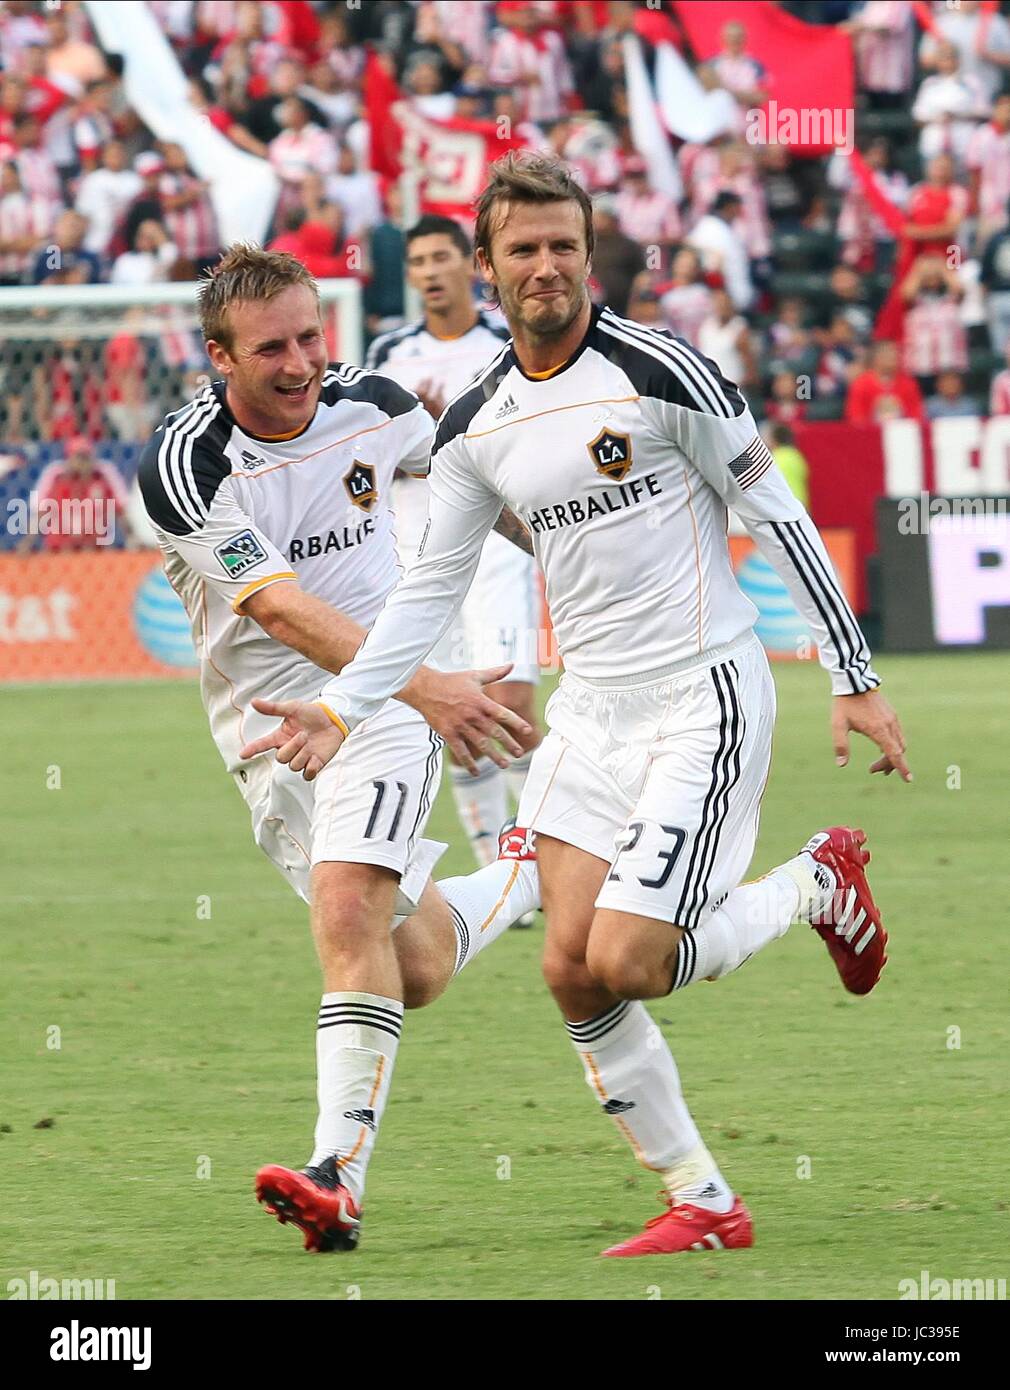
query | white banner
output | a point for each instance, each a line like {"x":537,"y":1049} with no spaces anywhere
{"x":690,"y":112}
{"x":243,"y":188}
{"x":650,"y":139}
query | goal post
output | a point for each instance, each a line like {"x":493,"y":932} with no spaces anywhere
{"x":106,"y":363}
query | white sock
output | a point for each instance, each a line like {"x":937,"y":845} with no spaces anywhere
{"x":631,"y":1070}
{"x":356,"y":1041}
{"x":482,"y":806}
{"x":747,"y":920}
{"x":515,"y":775}
{"x":486,"y":903}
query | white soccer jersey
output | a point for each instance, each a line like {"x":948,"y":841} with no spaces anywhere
{"x":622,"y":464}
{"x":234,"y":513}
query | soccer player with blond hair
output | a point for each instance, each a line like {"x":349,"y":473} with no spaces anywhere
{"x":270,"y":497}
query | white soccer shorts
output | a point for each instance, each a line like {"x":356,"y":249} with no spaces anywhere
{"x":663,"y":781}
{"x":500,"y":618}
{"x":369,"y":805}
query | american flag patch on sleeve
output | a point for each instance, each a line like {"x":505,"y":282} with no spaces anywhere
{"x":749,"y":466}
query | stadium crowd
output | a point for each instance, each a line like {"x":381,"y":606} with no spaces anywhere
{"x":778,"y":266}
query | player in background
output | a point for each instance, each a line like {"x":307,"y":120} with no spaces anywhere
{"x":622,"y":458}
{"x":499,"y":621}
{"x":269,"y":495}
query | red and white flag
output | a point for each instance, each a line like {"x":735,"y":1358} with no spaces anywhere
{"x":450,"y":158}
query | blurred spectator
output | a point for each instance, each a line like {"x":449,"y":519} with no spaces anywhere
{"x":847,"y":296}
{"x":263,"y":115}
{"x":840,"y":358}
{"x":688,"y":300}
{"x":883,"y":35}
{"x":725,"y":337}
{"x":988,"y":161}
{"x":866,"y":238}
{"x":426,"y":87}
{"x":531,"y":59}
{"x":187,"y":211}
{"x":591,"y":149}
{"x":787,"y":193}
{"x":505,"y":106}
{"x":737,"y":70}
{"x":125,"y":367}
{"x":319,"y":243}
{"x":936,"y":208}
{"x":785,"y":406}
{"x":36,"y":167}
{"x":999,"y":392}
{"x":66,"y":261}
{"x":22,"y":26}
{"x":789,"y":461}
{"x":24,"y":222}
{"x":301,"y":148}
{"x":93,"y":127}
{"x":383,"y":295}
{"x":995,"y":276}
{"x":643,"y":301}
{"x":722,"y":249}
{"x":950,"y":398}
{"x":883,"y":391}
{"x":81,"y":478}
{"x":935,"y":339}
{"x":432,"y":43}
{"x":647,"y":216}
{"x":616,"y":258}
{"x":150,"y":259}
{"x":947,"y":106}
{"x":104,"y":195}
{"x":357,"y":192}
{"x":338,"y":49}
{"x":789,"y":339}
{"x":69,"y":57}
{"x":982,"y":39}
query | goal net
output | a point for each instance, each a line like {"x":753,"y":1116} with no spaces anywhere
{"x":90,"y":371}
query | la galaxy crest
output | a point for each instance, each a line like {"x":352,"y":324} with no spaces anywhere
{"x":359,"y":481}
{"x":611,"y":452}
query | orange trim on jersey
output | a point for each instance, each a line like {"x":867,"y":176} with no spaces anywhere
{"x":227,"y":679}
{"x":610,"y":400}
{"x":451,"y":337}
{"x":278,"y":438}
{"x":506,"y":891}
{"x":315,"y":453}
{"x":697,"y":551}
{"x":551,"y":371}
{"x":258,"y":584}
{"x":334,"y":717}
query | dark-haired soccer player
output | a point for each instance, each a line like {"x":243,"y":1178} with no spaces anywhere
{"x":622,"y":455}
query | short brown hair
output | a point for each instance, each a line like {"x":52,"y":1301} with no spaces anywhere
{"x":245,"y":274}
{"x":527,"y":176}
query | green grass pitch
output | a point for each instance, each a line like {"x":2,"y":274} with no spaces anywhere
{"x":186,"y":1045}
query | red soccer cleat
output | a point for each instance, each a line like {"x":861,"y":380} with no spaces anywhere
{"x":850,"y":923}
{"x":314,"y":1200}
{"x":516,"y":843}
{"x":687,"y":1227}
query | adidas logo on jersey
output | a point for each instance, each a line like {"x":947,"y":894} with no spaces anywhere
{"x":618,"y":1107}
{"x":364,"y":1117}
{"x":250,"y":461}
{"x":508,"y":407}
